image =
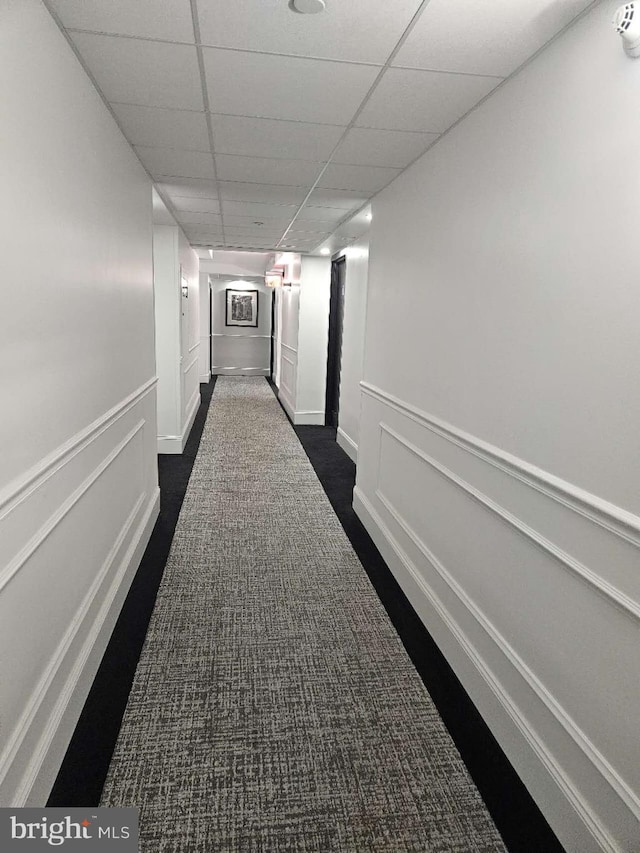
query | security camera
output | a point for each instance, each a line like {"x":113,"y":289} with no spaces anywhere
{"x":627,"y":23}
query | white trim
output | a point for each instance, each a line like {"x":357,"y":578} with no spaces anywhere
{"x":286,"y":346}
{"x":347,"y":444}
{"x":22,"y":487}
{"x":174,"y":444}
{"x":65,"y":706}
{"x":613,"y":518}
{"x":309,"y":418}
{"x":225,"y":335}
{"x":421,"y":593}
{"x":607,"y":590}
{"x":193,"y":346}
{"x":205,"y":378}
{"x":286,"y":404}
{"x":191,"y":364}
{"x":225,"y":371}
{"x":8,"y":572}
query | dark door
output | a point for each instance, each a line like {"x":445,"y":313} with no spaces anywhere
{"x":334,"y":356}
{"x":273,"y":333}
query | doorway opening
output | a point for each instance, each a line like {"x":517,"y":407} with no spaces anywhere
{"x":334,"y":354}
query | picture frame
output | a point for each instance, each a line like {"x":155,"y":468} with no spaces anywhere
{"x":241,"y":308}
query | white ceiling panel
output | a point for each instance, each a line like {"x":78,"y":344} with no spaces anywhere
{"x":149,"y":73}
{"x":162,"y":127}
{"x":366,"y":146}
{"x":264,"y":233}
{"x":367,"y":178}
{"x":357,"y":30}
{"x":489,"y":36}
{"x":344,"y":199}
{"x":257,"y":210}
{"x":196,"y":234}
{"x":190,"y":187}
{"x":272,"y":223}
{"x":263,"y":170}
{"x":423,"y":100}
{"x":269,"y":193}
{"x":202,"y":205}
{"x":325,"y":215}
{"x":171,"y":161}
{"x":193,"y":217}
{"x":254,"y":84}
{"x":260,"y":137}
{"x":155,"y":19}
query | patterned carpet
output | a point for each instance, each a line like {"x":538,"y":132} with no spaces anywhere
{"x":274,"y":708}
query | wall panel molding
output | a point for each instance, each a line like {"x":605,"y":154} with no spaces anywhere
{"x":406,"y":570}
{"x":613,"y":518}
{"x":37,"y":474}
{"x":613,"y":595}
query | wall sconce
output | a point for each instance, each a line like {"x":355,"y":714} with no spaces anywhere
{"x":273,"y":278}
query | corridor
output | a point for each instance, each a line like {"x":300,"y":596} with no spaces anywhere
{"x":274,"y":707}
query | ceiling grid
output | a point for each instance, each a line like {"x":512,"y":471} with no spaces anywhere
{"x":263,"y":128}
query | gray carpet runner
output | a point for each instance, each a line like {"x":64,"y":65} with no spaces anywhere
{"x":274,"y":707}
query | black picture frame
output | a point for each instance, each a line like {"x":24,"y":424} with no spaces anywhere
{"x":239,"y":311}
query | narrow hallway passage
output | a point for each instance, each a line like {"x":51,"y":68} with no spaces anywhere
{"x":274,"y":707}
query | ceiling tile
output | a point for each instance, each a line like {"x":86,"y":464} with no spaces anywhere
{"x":162,"y":127}
{"x":326,"y":215}
{"x":345,"y":199}
{"x":365,"y":146}
{"x":156,"y":19}
{"x":346,"y":30}
{"x":489,"y":36}
{"x":203,"y":205}
{"x":259,"y":233}
{"x":297,"y":173}
{"x":257,"y":210}
{"x":261,"y":137}
{"x":366,"y":178}
{"x":193,"y":217}
{"x":270,"y":193}
{"x":423,"y":100}
{"x":171,"y":161}
{"x":250,"y":221}
{"x":149,"y":73}
{"x":254,"y":84}
{"x":193,"y":187}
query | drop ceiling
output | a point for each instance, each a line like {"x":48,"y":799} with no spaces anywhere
{"x":262,"y":128}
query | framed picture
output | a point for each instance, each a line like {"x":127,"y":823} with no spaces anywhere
{"x":242,"y":308}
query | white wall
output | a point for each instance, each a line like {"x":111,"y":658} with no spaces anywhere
{"x":205,"y":329}
{"x":177,"y":319}
{"x":353,"y":336}
{"x":498,"y":463}
{"x":241,"y":350}
{"x":303,"y":353}
{"x":78,"y":477}
{"x":288,"y":313}
{"x":190,"y":335}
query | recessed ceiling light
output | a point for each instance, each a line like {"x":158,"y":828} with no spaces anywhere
{"x":307,"y":7}
{"x":325,"y":251}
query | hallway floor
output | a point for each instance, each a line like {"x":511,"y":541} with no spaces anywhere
{"x":274,"y":707}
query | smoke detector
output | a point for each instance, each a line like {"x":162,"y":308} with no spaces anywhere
{"x":627,"y":23}
{"x":307,"y":7}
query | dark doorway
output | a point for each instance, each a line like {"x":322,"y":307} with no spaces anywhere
{"x":334,"y":356}
{"x":273,"y":334}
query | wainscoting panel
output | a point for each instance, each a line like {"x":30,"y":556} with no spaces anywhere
{"x":288,"y":373}
{"x":74,"y":533}
{"x":528,"y":585}
{"x":234,"y":352}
